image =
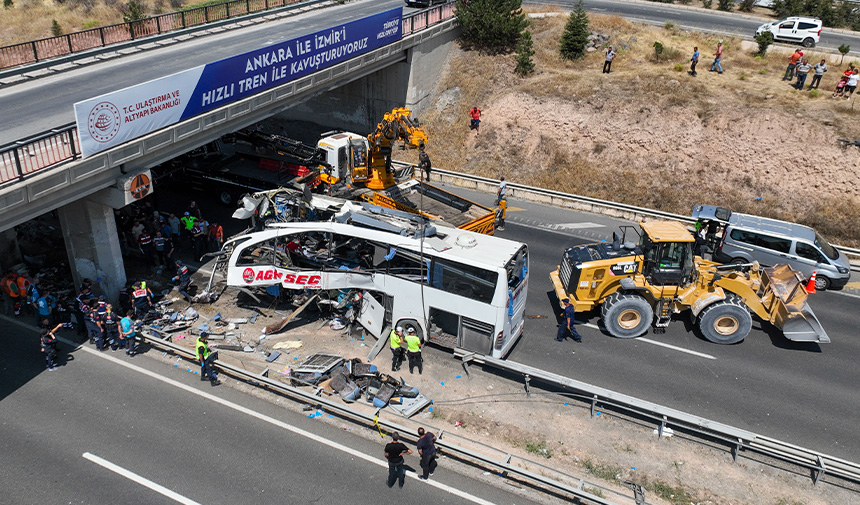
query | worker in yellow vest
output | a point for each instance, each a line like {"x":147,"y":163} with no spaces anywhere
{"x":205,"y":356}
{"x":413,"y":350}
{"x":398,"y":348}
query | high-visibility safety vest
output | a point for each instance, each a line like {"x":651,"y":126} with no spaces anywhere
{"x":395,"y":340}
{"x":202,"y":349}
{"x":413,"y":343}
{"x":11,"y":287}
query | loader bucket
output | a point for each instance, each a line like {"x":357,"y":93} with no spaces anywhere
{"x":783,"y":295}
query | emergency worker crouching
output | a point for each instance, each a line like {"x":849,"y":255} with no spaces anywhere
{"x":205,"y":356}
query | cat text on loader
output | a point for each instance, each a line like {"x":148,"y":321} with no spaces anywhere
{"x":637,"y":284}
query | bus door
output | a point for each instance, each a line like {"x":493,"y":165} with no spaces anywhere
{"x":371,"y":315}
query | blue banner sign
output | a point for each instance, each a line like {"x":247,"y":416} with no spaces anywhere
{"x":117,"y":117}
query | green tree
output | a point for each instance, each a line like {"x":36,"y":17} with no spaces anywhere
{"x":764,"y":40}
{"x":658,"y":50}
{"x":575,"y":36}
{"x":843,"y":50}
{"x":491,"y":25}
{"x":56,"y":30}
{"x":7,"y":4}
{"x":785,"y":8}
{"x":746,"y":5}
{"x":707,"y":3}
{"x":525,"y":51}
{"x":725,"y":5}
{"x":133,"y":11}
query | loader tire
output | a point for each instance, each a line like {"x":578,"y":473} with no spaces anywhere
{"x":627,"y":315}
{"x":726,"y":322}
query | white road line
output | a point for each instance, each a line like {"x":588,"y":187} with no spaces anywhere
{"x":143,"y":481}
{"x":661,"y":344}
{"x":681,"y":349}
{"x":279,"y":424}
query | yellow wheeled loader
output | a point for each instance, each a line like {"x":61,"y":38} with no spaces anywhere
{"x":644,"y":283}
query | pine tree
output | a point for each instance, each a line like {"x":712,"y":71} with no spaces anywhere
{"x":491,"y":25}
{"x":525,"y":65}
{"x":575,"y":36}
{"x":8,"y":4}
{"x":56,"y":30}
{"x":133,"y":12}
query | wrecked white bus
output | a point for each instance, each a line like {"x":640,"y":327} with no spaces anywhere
{"x":459,"y":289}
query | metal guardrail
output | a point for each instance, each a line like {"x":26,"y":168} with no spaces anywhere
{"x":26,"y":156}
{"x":86,"y":40}
{"x":584,"y":203}
{"x":739,"y":440}
{"x":561,"y":484}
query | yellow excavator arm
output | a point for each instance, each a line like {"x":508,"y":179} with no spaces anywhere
{"x":397,"y":125}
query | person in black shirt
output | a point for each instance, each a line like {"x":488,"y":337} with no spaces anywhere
{"x":394,"y":453}
{"x":427,"y":449}
{"x":49,"y":348}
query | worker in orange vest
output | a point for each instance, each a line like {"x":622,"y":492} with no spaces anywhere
{"x":11,"y":294}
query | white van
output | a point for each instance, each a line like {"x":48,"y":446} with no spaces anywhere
{"x":800,"y":30}
{"x":746,"y":238}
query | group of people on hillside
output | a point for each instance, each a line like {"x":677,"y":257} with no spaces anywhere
{"x":799,"y":67}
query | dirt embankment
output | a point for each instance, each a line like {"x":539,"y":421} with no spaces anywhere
{"x":649,"y":134}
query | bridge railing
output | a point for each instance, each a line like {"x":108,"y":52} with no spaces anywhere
{"x":62,"y":45}
{"x":61,"y":144}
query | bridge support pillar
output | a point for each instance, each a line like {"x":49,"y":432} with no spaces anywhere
{"x":92,"y":243}
{"x":424,"y":63}
{"x":10,"y":253}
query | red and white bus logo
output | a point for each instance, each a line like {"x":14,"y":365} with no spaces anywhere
{"x":104,"y":122}
{"x":248,"y":275}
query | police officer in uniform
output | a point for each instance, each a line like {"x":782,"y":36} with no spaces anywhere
{"x":141,"y":298}
{"x":184,"y":278}
{"x":110,"y":324}
{"x":204,"y":355}
{"x":398,"y":348}
{"x":91,"y":320}
{"x":413,"y":350}
{"x":49,"y":346}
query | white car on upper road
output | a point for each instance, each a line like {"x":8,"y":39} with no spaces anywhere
{"x":801,"y":30}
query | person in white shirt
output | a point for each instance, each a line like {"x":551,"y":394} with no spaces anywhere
{"x":607,"y":65}
{"x":820,"y":68}
{"x":852,"y":84}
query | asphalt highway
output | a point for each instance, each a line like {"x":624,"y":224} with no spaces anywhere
{"x":795,"y":392}
{"x":106,"y":429}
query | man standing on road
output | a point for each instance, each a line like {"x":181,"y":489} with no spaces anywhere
{"x":694,"y":61}
{"x":802,"y":70}
{"x":127,"y":337}
{"x":717,"y":65}
{"x":427,"y":449}
{"x":49,"y":346}
{"x":820,"y":68}
{"x":204,"y":355}
{"x":501,"y":193}
{"x":394,"y":452}
{"x":610,"y":55}
{"x":793,"y":60}
{"x":567,"y":323}
{"x":413,"y":350}
{"x":398,"y":348}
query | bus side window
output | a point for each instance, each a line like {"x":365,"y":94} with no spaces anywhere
{"x":258,"y":254}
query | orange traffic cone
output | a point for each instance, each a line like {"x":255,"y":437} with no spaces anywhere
{"x":810,"y":285}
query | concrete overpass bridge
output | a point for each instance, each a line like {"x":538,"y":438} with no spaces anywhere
{"x":47,"y":172}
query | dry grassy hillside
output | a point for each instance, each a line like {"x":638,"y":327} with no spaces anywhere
{"x":649,"y":134}
{"x":31,"y":19}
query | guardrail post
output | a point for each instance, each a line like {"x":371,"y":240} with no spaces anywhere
{"x":17,"y":163}
{"x":593,"y":404}
{"x":131,"y":30}
{"x":227,"y":6}
{"x":72,"y":142}
{"x":158,"y":24}
{"x":267,"y":5}
{"x":69,"y":42}
{"x":183,"y":18}
{"x":35,"y":52}
{"x":102,"y":36}
{"x":247,"y":6}
{"x":206,"y":14}
{"x":819,"y":472}
{"x":661,"y":428}
{"x":736,"y":449}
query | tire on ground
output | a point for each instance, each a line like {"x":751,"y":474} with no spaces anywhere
{"x":726,"y":322}
{"x":626,"y":315}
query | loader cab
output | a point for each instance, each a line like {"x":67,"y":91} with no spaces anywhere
{"x":667,"y":248}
